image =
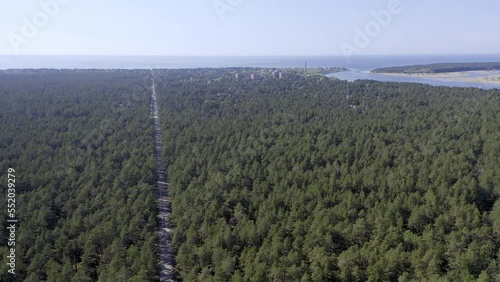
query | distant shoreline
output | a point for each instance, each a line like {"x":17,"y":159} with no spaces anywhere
{"x":362,"y":63}
{"x":481,"y":76}
{"x":440,"y":68}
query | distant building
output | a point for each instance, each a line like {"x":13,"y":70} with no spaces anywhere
{"x":277,"y":74}
{"x":237,"y":76}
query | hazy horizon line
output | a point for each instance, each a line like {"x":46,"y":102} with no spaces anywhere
{"x":291,"y":56}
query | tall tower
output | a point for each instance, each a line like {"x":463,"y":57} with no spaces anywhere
{"x":305,"y":66}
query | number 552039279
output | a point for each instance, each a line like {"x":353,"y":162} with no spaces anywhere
{"x":11,"y":193}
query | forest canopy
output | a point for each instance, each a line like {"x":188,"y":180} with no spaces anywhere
{"x":316,"y":179}
{"x":81,"y":143}
{"x":291,"y":177}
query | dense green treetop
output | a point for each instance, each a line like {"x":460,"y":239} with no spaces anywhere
{"x":81,"y":143}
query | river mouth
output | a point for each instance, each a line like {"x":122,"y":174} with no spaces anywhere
{"x":477,"y":79}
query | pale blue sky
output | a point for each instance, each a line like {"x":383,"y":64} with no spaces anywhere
{"x":251,"y":27}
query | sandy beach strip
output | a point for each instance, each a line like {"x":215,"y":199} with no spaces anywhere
{"x":467,"y":76}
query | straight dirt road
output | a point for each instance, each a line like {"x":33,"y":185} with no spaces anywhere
{"x":164,"y":209}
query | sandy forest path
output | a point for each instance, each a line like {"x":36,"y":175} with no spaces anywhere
{"x":164,"y":208}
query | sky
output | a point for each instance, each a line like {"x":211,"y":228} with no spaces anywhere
{"x":249,"y":27}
